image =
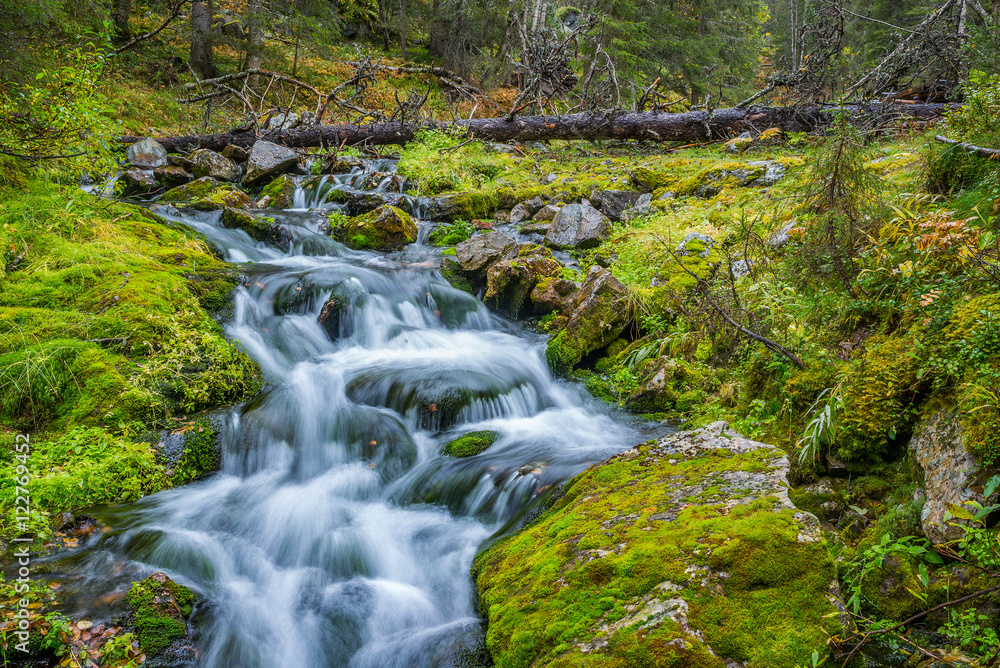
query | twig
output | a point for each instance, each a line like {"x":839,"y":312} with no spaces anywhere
{"x":175,"y":12}
{"x":768,"y":343}
{"x":868,"y":635}
{"x":988,"y":153}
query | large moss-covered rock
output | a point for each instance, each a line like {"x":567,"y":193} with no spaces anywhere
{"x":207,"y":194}
{"x":387,"y":228}
{"x":460,"y":206}
{"x":510,"y":282}
{"x":601,"y":310}
{"x":136,"y":182}
{"x":161,"y":608}
{"x":260,"y":228}
{"x":682,"y":552}
{"x":279,"y":193}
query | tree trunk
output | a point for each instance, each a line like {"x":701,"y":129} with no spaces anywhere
{"x":692,"y":126}
{"x":402,"y":29}
{"x":201,"y":60}
{"x":121,"y":13}
{"x":254,"y":20}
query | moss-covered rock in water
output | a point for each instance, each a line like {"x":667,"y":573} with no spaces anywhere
{"x":384,"y":229}
{"x":280,"y":193}
{"x":260,"y":228}
{"x":201,"y":454}
{"x":680,"y":552}
{"x":207,"y":194}
{"x":451,"y":271}
{"x":161,"y":608}
{"x":509,"y":283}
{"x":468,"y":445}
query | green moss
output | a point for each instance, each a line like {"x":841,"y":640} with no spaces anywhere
{"x":626,"y":537}
{"x":451,"y":271}
{"x":387,"y":228}
{"x":207,"y":194}
{"x":471,"y":444}
{"x":201,"y":455}
{"x":157,"y":620}
{"x":563,"y":353}
{"x":452,"y":234}
{"x":281,"y":192}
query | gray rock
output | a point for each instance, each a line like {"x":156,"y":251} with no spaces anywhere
{"x":578,"y":226}
{"x":547,"y":212}
{"x":667,"y":195}
{"x":146,"y":154}
{"x":554,"y":296}
{"x":612,"y":203}
{"x":171,"y":176}
{"x":479,"y":253}
{"x":539,"y":146}
{"x":137,"y":182}
{"x":235,"y":153}
{"x":773,"y":172}
{"x":283,"y":121}
{"x":536,"y":227}
{"x":707,"y":243}
{"x":643,"y":207}
{"x":938,"y":452}
{"x":535,"y":204}
{"x":549,"y":178}
{"x":781,"y":237}
{"x":742,"y":267}
{"x":210,"y":163}
{"x":501,"y":148}
{"x":266,"y":161}
{"x":519,"y":213}
{"x":307,"y":119}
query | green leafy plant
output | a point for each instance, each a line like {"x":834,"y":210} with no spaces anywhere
{"x":821,"y":431}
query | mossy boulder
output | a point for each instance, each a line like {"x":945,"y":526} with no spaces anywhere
{"x":460,"y":206}
{"x":510,"y":282}
{"x":601,"y":310}
{"x":161,"y":608}
{"x":387,"y":228}
{"x":207,"y":194}
{"x":451,"y":271}
{"x":694,"y":259}
{"x":471,"y":444}
{"x":482,"y":251}
{"x":651,"y":177}
{"x":280,"y":193}
{"x":260,"y":228}
{"x":680,"y":552}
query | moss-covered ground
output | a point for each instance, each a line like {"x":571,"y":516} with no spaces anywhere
{"x":106,"y":334}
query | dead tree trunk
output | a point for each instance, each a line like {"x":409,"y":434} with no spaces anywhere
{"x":692,"y":126}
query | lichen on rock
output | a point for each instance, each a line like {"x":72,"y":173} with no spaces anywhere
{"x":387,"y":228}
{"x":680,"y":552}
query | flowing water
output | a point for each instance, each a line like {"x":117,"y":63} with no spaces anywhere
{"x":336,"y":534}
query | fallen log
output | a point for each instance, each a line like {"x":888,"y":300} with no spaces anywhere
{"x":982,"y":152}
{"x":691,"y":126}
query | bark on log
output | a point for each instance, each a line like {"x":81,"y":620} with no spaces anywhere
{"x":690,"y":126}
{"x":988,"y":153}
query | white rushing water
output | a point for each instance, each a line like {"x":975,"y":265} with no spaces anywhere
{"x":336,"y":533}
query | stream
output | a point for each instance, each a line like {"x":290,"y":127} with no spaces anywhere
{"x":336,"y":534}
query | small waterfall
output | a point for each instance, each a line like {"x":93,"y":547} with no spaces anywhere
{"x":336,"y":533}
